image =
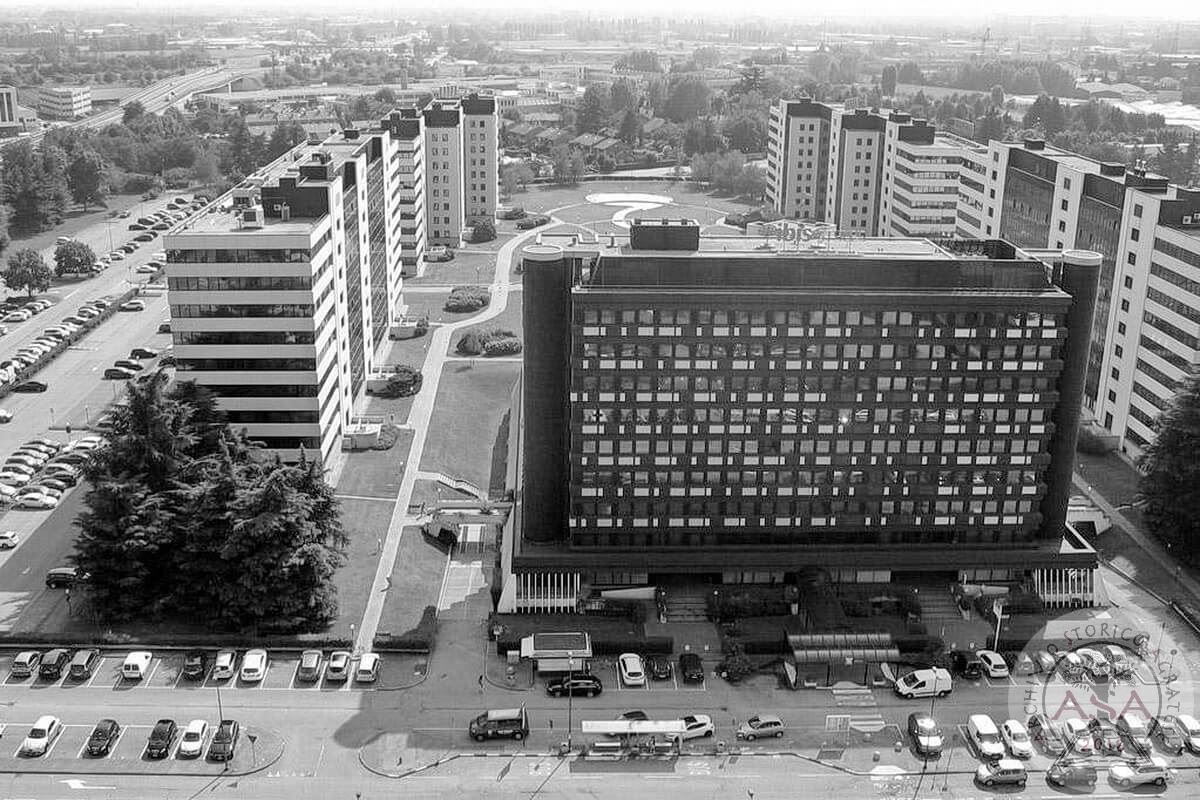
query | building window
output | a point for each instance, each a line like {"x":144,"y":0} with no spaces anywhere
{"x":1118,"y":351}
{"x":1128,"y":281}
{"x":1124,"y":305}
{"x":1062,"y":226}
{"x":1137,"y":210}
{"x":1066,"y":185}
{"x":1116,"y":374}
{"x":1112,"y":398}
{"x":1064,"y":205}
{"x":1121,"y":328}
{"x":1134,"y":234}
{"x":1131,"y":258}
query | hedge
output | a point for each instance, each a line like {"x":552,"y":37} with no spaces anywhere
{"x":502,"y":347}
{"x":467,"y":298}
{"x":480,"y":342}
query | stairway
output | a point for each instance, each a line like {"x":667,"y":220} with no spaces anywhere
{"x":937,"y":604}
{"x":687,"y":604}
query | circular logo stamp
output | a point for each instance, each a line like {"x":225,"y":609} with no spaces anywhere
{"x":1100,"y":670}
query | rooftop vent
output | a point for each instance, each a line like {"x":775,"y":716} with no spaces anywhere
{"x":1035,"y":144}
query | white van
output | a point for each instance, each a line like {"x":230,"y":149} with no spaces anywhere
{"x":934,"y":682}
{"x":986,"y":736}
{"x":137,"y":665}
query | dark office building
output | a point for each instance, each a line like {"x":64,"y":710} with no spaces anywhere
{"x":878,"y":408}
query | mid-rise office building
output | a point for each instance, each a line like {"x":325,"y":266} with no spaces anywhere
{"x":65,"y":102}
{"x":462,"y":166}
{"x":481,"y":159}
{"x":798,"y":173}
{"x":922,"y":179}
{"x":282,"y":305}
{"x":855,"y":181}
{"x":737,"y":410}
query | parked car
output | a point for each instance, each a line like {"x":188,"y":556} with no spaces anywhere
{"x":84,"y":664}
{"x":1105,"y":736}
{"x":143,"y":352}
{"x":760,"y":726}
{"x":41,"y":736}
{"x":53,"y":664}
{"x":1153,"y":770}
{"x":130,"y":364}
{"x":164,"y":327}
{"x":136,"y":665}
{"x":1017,"y":739}
{"x":697,"y":726}
{"x":103,"y":737}
{"x":195,"y":665}
{"x":64,"y":577}
{"x":1164,"y":731}
{"x":310,"y":666}
{"x":25,"y":664}
{"x":511,"y":213}
{"x":967,"y":664}
{"x":192,"y":743}
{"x":9,"y":540}
{"x":132,"y":305}
{"x":985,"y":736}
{"x":1004,"y":771}
{"x":119,"y":374}
{"x":30,"y":387}
{"x":659,"y":668}
{"x":37,"y":500}
{"x":1135,"y":731}
{"x":338,"y":668}
{"x":528,"y":223}
{"x":586,"y":685}
{"x":1071,"y":772}
{"x":368,"y":668}
{"x":690,"y":668}
{"x":1075,"y":732}
{"x":224,"y":741}
{"x":438,"y":253}
{"x":992,"y":663}
{"x":633,"y":671}
{"x":162,"y":736}
{"x":254,"y":666}
{"x":925,"y":734}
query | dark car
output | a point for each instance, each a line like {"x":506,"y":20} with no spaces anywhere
{"x":528,"y":223}
{"x":310,"y":665}
{"x":1105,"y":736}
{"x":224,"y":741}
{"x":1071,"y":773}
{"x":1045,"y":735}
{"x":104,"y":735}
{"x":63,"y":577}
{"x":119,"y":374}
{"x":30,"y":386}
{"x":925,"y":734}
{"x":659,"y":668}
{"x":511,"y":213}
{"x":164,"y":327}
{"x":195,"y":665}
{"x":84,"y":664}
{"x":53,"y":663}
{"x":586,"y":685}
{"x":1166,"y":733}
{"x":161,"y":738}
{"x":137,"y":226}
{"x":143,"y":352}
{"x":967,"y":665}
{"x":690,"y":668}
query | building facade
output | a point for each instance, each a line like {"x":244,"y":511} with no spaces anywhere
{"x":282,"y":306}
{"x":445,"y":214}
{"x":64,"y":102}
{"x":481,"y":159}
{"x":798,"y":134}
{"x":873,"y":407}
{"x":855,"y":179}
{"x":922,"y":179}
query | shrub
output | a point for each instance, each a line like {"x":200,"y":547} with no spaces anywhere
{"x":502,"y":347}
{"x":484,"y":231}
{"x":468,"y":298}
{"x":469,"y":344}
{"x":404,"y":382}
{"x":488,"y":341}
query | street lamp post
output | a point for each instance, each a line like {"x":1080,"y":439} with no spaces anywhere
{"x":570,"y":698}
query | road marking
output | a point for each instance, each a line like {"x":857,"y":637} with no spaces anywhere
{"x":76,"y":783}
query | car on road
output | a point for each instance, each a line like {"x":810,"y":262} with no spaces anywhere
{"x":1075,"y":731}
{"x":510,"y":722}
{"x":36,"y":500}
{"x":1005,"y":771}
{"x":119,"y":374}
{"x":338,"y":668}
{"x":84,"y":663}
{"x":136,"y":665}
{"x":993,"y":663}
{"x":310,"y":666}
{"x":1105,"y":736}
{"x":529,"y":223}
{"x":1016,"y":738}
{"x":1153,"y":770}
{"x":192,"y":743}
{"x":123,"y":214}
{"x":1071,"y":772}
{"x":658,"y":668}
{"x":690,"y":668}
{"x":760,"y":726}
{"x":586,"y":685}
{"x":53,"y":663}
{"x":146,"y":269}
{"x":25,"y":664}
{"x":64,"y":577}
{"x":254,"y":666}
{"x":195,"y":665}
{"x":143,"y":352}
{"x":162,"y":736}
{"x":30,"y":387}
{"x":132,"y":305}
{"x":224,"y":741}
{"x":9,"y":540}
{"x":1135,"y":731}
{"x":103,"y":737}
{"x":368,"y":668}
{"x":697,"y":726}
{"x":925,"y":733}
{"x":1166,"y":733}
{"x":41,"y":736}
{"x":633,"y":671}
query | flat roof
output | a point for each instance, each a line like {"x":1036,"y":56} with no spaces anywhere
{"x":226,"y":222}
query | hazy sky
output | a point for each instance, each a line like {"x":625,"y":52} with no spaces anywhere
{"x":941,"y":9}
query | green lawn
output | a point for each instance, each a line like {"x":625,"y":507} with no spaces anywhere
{"x":416,"y":583}
{"x":468,"y":266}
{"x":375,"y":473}
{"x":467,"y":432}
{"x":509,"y":319}
{"x":365,"y":523}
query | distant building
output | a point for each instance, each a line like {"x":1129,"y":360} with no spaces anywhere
{"x":65,"y":102}
{"x":922,"y":170}
{"x":855,"y":170}
{"x":798,"y":134}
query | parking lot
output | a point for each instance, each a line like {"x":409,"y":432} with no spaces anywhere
{"x":166,"y":673}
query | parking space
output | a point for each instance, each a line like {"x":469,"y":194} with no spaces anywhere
{"x":108,"y":672}
{"x":281,"y":672}
{"x":168,"y":674}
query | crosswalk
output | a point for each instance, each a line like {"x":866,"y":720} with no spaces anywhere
{"x":860,"y":697}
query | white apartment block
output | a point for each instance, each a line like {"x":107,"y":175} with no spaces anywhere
{"x":481,"y":157}
{"x":922,"y":170}
{"x":855,"y":177}
{"x":798,"y":134}
{"x":444,"y":213}
{"x":64,"y":102}
{"x":281,"y":307}
{"x":406,"y":221}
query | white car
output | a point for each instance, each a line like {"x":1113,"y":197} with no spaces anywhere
{"x":1137,"y":773}
{"x":1076,"y":732}
{"x":633,"y":671}
{"x":9,"y":540}
{"x":14,"y":478}
{"x":36,"y":500}
{"x":25,"y":460}
{"x":1017,"y":739}
{"x":192,"y":743}
{"x":20,"y":468}
{"x":697,"y":726}
{"x":17,"y":316}
{"x":368,"y":668}
{"x":254,"y":666}
{"x":225,"y":665}
{"x":41,"y":736}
